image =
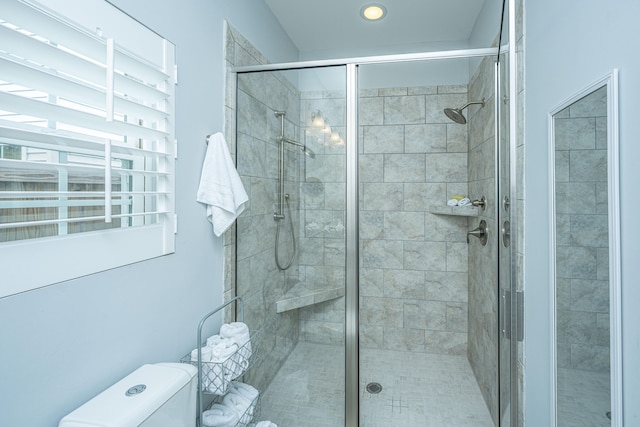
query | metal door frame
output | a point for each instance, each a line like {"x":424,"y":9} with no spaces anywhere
{"x":352,"y":401}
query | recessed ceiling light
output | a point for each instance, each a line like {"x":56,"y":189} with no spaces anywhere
{"x":373,"y":12}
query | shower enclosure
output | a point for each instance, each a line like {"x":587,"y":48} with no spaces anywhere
{"x":376,"y":303}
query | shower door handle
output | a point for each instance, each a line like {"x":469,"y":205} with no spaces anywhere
{"x":480,"y":233}
{"x":505,"y":317}
{"x":507,"y":328}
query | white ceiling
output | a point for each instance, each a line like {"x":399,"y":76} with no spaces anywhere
{"x":320,"y":25}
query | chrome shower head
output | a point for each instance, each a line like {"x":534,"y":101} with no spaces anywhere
{"x":308,"y":152}
{"x":456,"y":115}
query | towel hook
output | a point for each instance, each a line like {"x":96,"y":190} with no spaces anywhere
{"x":206,"y":140}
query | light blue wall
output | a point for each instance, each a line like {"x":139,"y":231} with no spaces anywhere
{"x":570,"y":45}
{"x":487,"y":25}
{"x":486,"y":30}
{"x":63,"y":344}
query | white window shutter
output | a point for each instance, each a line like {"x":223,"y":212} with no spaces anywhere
{"x":86,"y":147}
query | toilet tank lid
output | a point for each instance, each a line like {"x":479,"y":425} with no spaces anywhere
{"x":134,"y":398}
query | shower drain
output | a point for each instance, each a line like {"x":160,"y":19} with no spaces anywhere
{"x":374,"y":388}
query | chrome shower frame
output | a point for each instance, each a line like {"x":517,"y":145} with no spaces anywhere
{"x":352,"y":398}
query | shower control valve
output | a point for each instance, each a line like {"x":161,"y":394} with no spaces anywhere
{"x":482,"y":202}
{"x":480,"y":233}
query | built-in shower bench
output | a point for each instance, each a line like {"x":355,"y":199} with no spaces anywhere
{"x":303,"y":294}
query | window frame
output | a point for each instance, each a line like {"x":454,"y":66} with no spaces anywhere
{"x":33,"y":263}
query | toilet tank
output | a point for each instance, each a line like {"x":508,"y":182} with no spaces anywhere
{"x":157,"y":395}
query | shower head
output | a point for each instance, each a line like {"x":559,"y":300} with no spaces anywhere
{"x":308,"y":152}
{"x":456,"y":115}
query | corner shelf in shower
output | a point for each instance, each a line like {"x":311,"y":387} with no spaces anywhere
{"x":303,"y":294}
{"x":455,"y":210}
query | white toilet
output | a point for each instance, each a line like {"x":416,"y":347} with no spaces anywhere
{"x":158,"y":395}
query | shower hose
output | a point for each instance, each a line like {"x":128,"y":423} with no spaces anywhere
{"x":293,"y":238}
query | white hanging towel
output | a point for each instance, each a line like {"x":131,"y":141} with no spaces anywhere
{"x":220,"y":186}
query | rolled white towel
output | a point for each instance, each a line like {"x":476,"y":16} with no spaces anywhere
{"x":223,"y":350}
{"x":464,"y":202}
{"x":239,"y":333}
{"x":204,"y":351}
{"x":240,"y":404}
{"x":266,"y":424}
{"x":217,"y":380}
{"x":214,"y":340}
{"x":223,"y":367}
{"x":206,"y":358}
{"x":216,"y":375}
{"x":220,"y":416}
{"x":452,"y":202}
{"x":246,"y":390}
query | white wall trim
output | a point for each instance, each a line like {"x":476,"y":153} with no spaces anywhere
{"x":615,"y":302}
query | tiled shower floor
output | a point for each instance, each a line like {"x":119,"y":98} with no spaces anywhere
{"x":418,"y":390}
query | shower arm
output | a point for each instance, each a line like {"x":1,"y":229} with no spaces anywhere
{"x":282,"y":139}
{"x":471,"y":103}
{"x":290,"y":141}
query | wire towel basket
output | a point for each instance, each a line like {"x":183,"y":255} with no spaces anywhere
{"x":215,"y":377}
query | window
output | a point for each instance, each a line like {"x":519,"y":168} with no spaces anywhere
{"x":87,"y":151}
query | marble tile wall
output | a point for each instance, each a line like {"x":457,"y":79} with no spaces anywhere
{"x":483,"y":312}
{"x":250,"y":269}
{"x":413,"y":282}
{"x":413,"y":266}
{"x":582,"y":282}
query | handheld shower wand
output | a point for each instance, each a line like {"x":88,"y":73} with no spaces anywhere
{"x":284,"y":197}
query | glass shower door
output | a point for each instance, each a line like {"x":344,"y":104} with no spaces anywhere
{"x":428,"y":291}
{"x":290,"y":242}
{"x":415,"y":333}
